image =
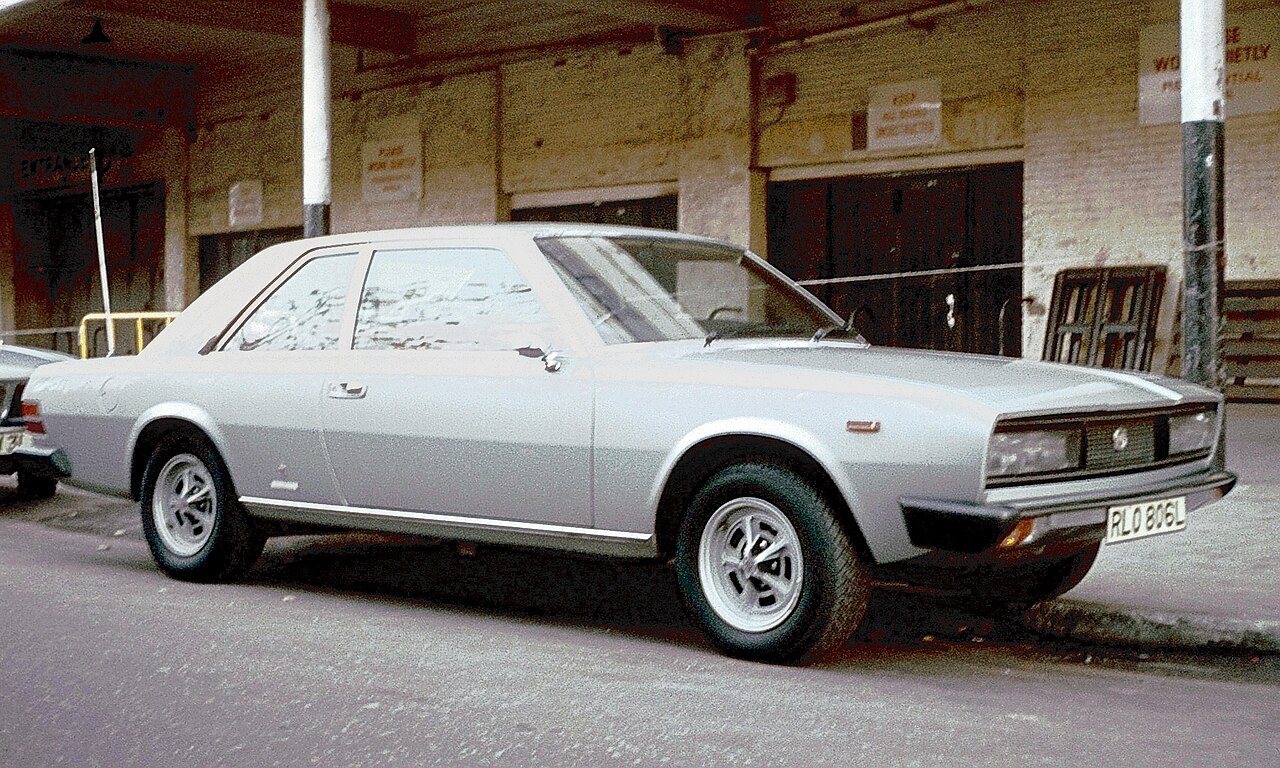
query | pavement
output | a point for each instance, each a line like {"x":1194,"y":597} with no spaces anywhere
{"x":1210,"y":589}
{"x":1215,"y":586}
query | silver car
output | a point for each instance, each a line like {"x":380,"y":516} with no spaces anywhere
{"x":631,"y":393}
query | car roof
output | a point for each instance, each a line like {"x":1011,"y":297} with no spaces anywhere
{"x":207,"y":315}
{"x":11,"y":354}
{"x":533,"y":229}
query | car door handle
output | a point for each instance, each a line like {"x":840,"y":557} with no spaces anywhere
{"x":346,"y":390}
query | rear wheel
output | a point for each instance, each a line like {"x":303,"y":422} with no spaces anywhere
{"x":194,"y":524}
{"x":765,"y":567}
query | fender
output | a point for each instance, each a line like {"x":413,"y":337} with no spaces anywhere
{"x":174,"y":410}
{"x":797,"y":437}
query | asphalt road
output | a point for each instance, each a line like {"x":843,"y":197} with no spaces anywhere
{"x":375,"y":651}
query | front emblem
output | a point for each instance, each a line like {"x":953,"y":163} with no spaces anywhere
{"x":1120,"y":439}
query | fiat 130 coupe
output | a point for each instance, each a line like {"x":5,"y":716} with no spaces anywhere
{"x":629,"y":393}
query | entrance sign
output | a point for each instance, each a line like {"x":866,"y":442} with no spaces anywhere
{"x":392,"y":170}
{"x":1253,"y":67}
{"x":902,"y":115}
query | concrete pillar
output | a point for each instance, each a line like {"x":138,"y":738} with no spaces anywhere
{"x":181,"y":257}
{"x":721,"y":195}
{"x":8,"y":252}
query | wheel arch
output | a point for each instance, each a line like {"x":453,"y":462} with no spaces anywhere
{"x":704,"y":457}
{"x":156,"y":425}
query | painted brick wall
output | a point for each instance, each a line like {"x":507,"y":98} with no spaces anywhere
{"x":1050,"y":82}
{"x":976,"y":57}
{"x":604,"y":118}
{"x":1102,"y":189}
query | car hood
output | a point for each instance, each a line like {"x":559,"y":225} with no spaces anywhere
{"x":1001,"y":383}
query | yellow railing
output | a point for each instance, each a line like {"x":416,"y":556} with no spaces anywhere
{"x":116,"y":317}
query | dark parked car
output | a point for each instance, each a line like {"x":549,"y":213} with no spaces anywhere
{"x":32,"y":456}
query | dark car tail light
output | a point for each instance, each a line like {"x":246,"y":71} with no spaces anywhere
{"x":31,"y":416}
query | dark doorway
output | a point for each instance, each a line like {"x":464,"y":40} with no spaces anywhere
{"x":657,"y":212}
{"x":56,"y":274}
{"x":894,"y":226}
{"x":219,"y":254}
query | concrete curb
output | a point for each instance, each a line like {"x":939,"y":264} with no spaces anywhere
{"x":1138,"y":628}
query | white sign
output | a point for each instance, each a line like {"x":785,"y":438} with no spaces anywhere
{"x":244,"y":204}
{"x":1253,"y":67}
{"x":392,"y":170}
{"x":903,"y":115}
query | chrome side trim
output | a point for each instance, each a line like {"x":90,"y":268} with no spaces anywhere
{"x":623,"y":543}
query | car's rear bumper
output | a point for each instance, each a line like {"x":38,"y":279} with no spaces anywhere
{"x":1066,"y":519}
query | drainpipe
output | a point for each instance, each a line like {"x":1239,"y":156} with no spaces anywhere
{"x":317,"y":154}
{"x":1203,"y":143}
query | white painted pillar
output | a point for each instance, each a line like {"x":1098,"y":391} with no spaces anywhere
{"x":317,"y":152}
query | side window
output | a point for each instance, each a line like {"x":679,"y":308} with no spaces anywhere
{"x":446,"y":298}
{"x":303,"y":313}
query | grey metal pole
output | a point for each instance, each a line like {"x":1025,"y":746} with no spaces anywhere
{"x":1203,"y":113}
{"x":317,"y":154}
{"x":102,"y":252}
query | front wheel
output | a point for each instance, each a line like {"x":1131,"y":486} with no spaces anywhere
{"x":765,"y":567}
{"x":194,"y":524}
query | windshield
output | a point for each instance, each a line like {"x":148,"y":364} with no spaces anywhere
{"x":665,"y":289}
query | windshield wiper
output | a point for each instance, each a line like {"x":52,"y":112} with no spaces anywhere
{"x":825,"y":331}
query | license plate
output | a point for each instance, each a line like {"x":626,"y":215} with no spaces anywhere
{"x":11,"y":441}
{"x":1147,"y":518}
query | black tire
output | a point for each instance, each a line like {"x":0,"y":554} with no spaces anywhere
{"x":814,"y":615}
{"x":36,"y":486}
{"x":1024,"y":585}
{"x":207,"y":536}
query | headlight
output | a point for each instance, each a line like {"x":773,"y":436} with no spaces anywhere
{"x":1192,"y":432}
{"x":1025,"y":453}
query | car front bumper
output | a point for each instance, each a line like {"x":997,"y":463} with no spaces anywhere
{"x":1062,"y":520}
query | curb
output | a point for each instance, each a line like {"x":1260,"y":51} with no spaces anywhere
{"x":1099,"y":623}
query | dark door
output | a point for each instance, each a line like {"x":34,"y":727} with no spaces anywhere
{"x":56,"y":272}
{"x":656,"y":212}
{"x":219,"y":254}
{"x":909,"y":255}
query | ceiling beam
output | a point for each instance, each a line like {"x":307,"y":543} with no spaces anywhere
{"x":695,"y":15}
{"x":358,"y":26}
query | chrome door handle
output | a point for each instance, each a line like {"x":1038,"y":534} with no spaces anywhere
{"x":346,"y":390}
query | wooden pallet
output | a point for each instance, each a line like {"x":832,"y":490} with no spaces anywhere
{"x":1251,"y":340}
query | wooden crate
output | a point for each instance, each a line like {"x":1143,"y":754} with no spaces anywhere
{"x":1251,"y":341}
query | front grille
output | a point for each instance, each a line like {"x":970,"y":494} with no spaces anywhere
{"x":1139,"y":438}
{"x":1112,"y":443}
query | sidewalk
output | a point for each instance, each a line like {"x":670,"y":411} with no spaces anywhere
{"x":1217,"y":585}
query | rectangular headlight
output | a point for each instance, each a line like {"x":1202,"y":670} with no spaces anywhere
{"x":1033,"y":452}
{"x":1190,"y":432}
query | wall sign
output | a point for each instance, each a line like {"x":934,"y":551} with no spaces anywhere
{"x":1253,"y":67}
{"x":52,"y":170}
{"x":244,"y":204}
{"x":392,"y":170}
{"x":901,"y":115}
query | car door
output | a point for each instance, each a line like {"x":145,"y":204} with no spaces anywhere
{"x":264,"y":384}
{"x":444,"y":405}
